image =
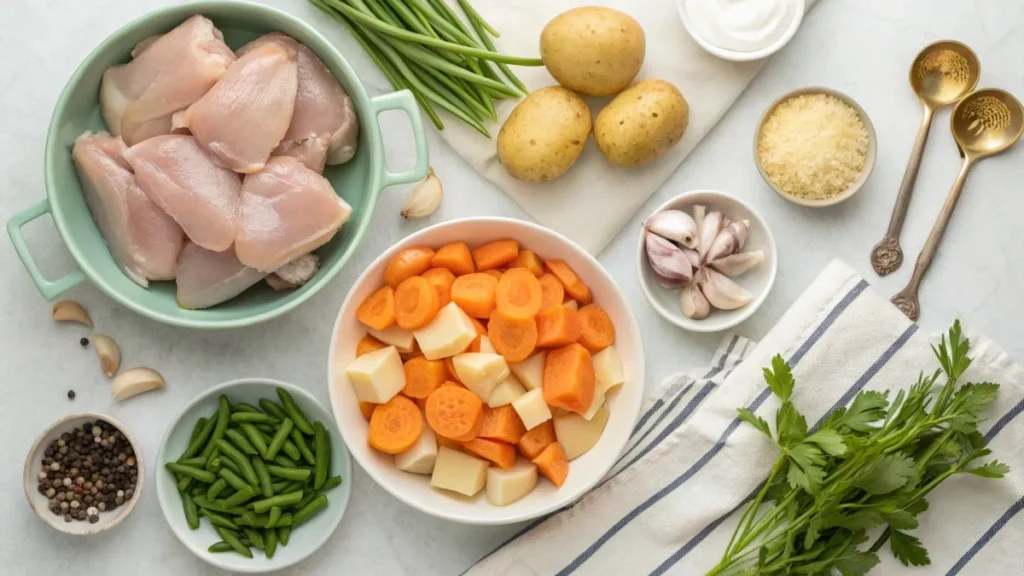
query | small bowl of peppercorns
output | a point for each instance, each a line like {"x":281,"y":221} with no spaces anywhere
{"x":84,"y":474}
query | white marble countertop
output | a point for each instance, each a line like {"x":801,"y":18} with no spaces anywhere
{"x":861,"y":47}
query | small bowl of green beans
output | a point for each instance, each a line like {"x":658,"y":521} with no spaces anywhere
{"x":253,"y":476}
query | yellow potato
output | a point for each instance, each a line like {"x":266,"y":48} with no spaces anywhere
{"x":593,"y":50}
{"x":544,"y":135}
{"x":641,"y":123}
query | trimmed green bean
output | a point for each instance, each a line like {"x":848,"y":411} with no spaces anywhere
{"x":279,"y":438}
{"x":254,"y":537}
{"x":475,"y":16}
{"x":218,"y":506}
{"x":275,"y":515}
{"x":192,"y":472}
{"x":184,"y":482}
{"x":322,"y":455}
{"x":285,"y":461}
{"x":198,"y":428}
{"x":332,"y":482}
{"x":213,"y":455}
{"x":316,"y":505}
{"x":198,"y":490}
{"x":232,"y":539}
{"x":310,"y":495}
{"x":267,"y":429}
{"x":266,"y":484}
{"x":216,"y":488}
{"x":300,"y":443}
{"x":196,"y":462}
{"x":243,"y":407}
{"x":269,"y":542}
{"x":253,"y":519}
{"x":218,"y":520}
{"x":273,"y":408}
{"x":253,"y":418}
{"x":282,"y":500}
{"x":221,"y":546}
{"x":239,"y":459}
{"x":223,"y":419}
{"x":283,"y":532}
{"x":294,"y":412}
{"x":191,"y":512}
{"x":256,"y":438}
{"x":280,"y":485}
{"x":293,"y":486}
{"x":199,"y":438}
{"x":228,"y":463}
{"x":233,"y":480}
{"x":236,"y":438}
{"x":289,"y":473}
{"x":240,"y":497}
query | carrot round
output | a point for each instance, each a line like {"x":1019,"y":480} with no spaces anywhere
{"x":518,"y":294}
{"x":416,"y":303}
{"x":449,"y":365}
{"x":496,"y":274}
{"x":513,"y":338}
{"x":527,"y":259}
{"x":367,"y":409}
{"x":406,"y":264}
{"x":502,"y":454}
{"x":378,"y":310}
{"x":502,"y":423}
{"x":368,"y":344}
{"x":474,"y":293}
{"x":455,"y":413}
{"x":557,"y":326}
{"x":569,"y":378}
{"x":455,"y":257}
{"x":423,"y":376}
{"x":552,"y":464}
{"x":443,"y":442}
{"x":570,"y":281}
{"x":552,"y":293}
{"x":396,"y":425}
{"x":536,"y":439}
{"x":598,"y":332}
{"x":495,"y":254}
{"x":441,"y":279}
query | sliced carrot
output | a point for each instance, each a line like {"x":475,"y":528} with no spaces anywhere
{"x":443,"y":442}
{"x":441,"y":279}
{"x":423,"y":376}
{"x":558,"y":326}
{"x":536,"y":439}
{"x":502,"y":454}
{"x":367,"y":409}
{"x":396,"y":425}
{"x":570,"y":281}
{"x":518,"y":294}
{"x":502,"y":423}
{"x":421,"y":402}
{"x":413,"y":354}
{"x":598,"y":331}
{"x":551,"y":464}
{"x":450,"y":382}
{"x":406,"y":264}
{"x":527,"y":259}
{"x":481,"y":330}
{"x":495,"y":254}
{"x":416,"y":303}
{"x":455,"y":257}
{"x":496,"y":274}
{"x":368,"y":344}
{"x":455,"y":413}
{"x":378,"y":310}
{"x":513,"y":338}
{"x":569,"y":378}
{"x":551,"y":291}
{"x":449,"y":365}
{"x":474,"y":293}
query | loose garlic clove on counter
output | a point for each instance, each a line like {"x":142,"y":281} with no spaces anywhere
{"x":135,"y":381}
{"x":71,"y":311}
{"x":693,"y":302}
{"x":674,"y":225}
{"x":108,"y":353}
{"x":722,"y":292}
{"x":424,"y":198}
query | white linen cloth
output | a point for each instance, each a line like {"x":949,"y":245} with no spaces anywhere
{"x":673,"y":504}
{"x":593,"y":200}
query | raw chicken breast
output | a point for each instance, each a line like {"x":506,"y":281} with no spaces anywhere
{"x":323,"y":111}
{"x":143,"y":240}
{"x":287,"y":210}
{"x":183,"y":179}
{"x":169,"y":73}
{"x":208,"y":278}
{"x":245,"y":116}
{"x":311,"y":152}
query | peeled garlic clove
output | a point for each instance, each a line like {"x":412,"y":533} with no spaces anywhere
{"x":108,"y":353}
{"x":424,"y":198}
{"x":693,"y":257}
{"x":737,"y":264}
{"x":724,"y":245}
{"x":135,"y":381}
{"x":71,"y":311}
{"x":709,"y":230}
{"x":739,"y":230}
{"x":722,"y":292}
{"x":693,"y":302}
{"x":669,"y":264}
{"x":674,"y":225}
{"x":699,"y":212}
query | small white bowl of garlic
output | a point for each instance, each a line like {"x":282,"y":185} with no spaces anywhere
{"x":706,"y":260}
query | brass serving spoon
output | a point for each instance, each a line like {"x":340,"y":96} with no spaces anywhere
{"x":984,"y":123}
{"x":942,"y":73}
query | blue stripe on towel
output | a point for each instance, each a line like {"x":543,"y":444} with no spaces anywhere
{"x":675,"y":423}
{"x":844,"y":400}
{"x":815,"y":336}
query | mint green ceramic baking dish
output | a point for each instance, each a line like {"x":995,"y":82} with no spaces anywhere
{"x":359,"y":181}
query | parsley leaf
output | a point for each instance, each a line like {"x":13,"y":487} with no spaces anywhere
{"x":780,"y":378}
{"x":868,"y":407}
{"x":790,"y":425}
{"x":900,"y":520}
{"x":994,"y":469}
{"x":907,"y":549}
{"x":854,"y":563}
{"x":807,"y":469}
{"x":886,"y":474}
{"x":830,"y":441}
{"x":754,"y":420}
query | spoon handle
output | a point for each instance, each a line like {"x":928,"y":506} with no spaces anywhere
{"x":887,"y":255}
{"x":906,"y":300}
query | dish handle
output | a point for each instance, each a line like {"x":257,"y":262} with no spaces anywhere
{"x":403,"y":100}
{"x":49,"y":289}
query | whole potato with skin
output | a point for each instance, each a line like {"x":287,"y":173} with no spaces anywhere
{"x":641,"y":123}
{"x":593,"y":50}
{"x":544,"y":135}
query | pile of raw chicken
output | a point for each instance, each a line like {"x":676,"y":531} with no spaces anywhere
{"x":211,"y":172}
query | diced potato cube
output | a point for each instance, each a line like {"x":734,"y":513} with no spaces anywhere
{"x":506,"y":392}
{"x":572,"y":305}
{"x":378,"y":376}
{"x":576,"y":434}
{"x":595,"y":404}
{"x":532,"y":408}
{"x":480,"y":372}
{"x":530,"y":371}
{"x":449,"y":333}
{"x":486,"y":347}
{"x":608,"y":369}
{"x":420,"y":458}
{"x":458,"y":472}
{"x":507,"y":486}
{"x":395,"y":336}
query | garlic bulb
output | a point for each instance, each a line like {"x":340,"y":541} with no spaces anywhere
{"x":424,"y":198}
{"x":674,"y":225}
{"x":671,"y":267}
{"x":736,"y":264}
{"x":710,"y":227}
{"x":693,"y":302}
{"x":720,"y":291}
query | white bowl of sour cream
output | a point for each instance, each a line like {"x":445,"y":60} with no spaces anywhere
{"x":741,"y":30}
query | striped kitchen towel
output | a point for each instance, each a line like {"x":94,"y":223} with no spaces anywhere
{"x":671,"y":504}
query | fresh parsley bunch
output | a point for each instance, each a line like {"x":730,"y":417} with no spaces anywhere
{"x":866,"y":466}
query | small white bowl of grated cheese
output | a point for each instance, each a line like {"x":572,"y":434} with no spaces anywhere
{"x":815,"y":146}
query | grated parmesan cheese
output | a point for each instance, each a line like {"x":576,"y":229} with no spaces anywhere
{"x":813,"y":146}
